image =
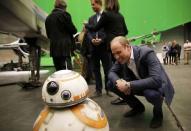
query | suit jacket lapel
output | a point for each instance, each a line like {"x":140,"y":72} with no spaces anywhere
{"x":95,"y":19}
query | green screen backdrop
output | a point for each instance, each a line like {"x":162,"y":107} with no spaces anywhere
{"x":141,"y":16}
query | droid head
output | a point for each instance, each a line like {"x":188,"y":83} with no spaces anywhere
{"x":64,"y":88}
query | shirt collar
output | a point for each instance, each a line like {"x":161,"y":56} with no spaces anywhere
{"x":132,"y":54}
{"x":100,"y":12}
{"x":131,"y":60}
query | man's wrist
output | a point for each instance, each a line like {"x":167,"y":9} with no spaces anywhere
{"x":128,"y":88}
{"x":127,"y":84}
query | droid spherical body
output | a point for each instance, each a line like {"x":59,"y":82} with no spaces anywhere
{"x":68,"y":108}
{"x":86,"y":116}
{"x":64,"y":88}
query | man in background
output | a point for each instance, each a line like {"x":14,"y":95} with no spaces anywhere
{"x":98,"y":50}
{"x":187,"y":51}
{"x":60,"y":30}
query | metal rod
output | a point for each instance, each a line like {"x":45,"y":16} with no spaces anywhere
{"x":144,"y":36}
{"x":179,"y":125}
{"x":66,"y":65}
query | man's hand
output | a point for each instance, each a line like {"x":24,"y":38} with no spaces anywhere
{"x":96,"y":41}
{"x":123,"y":86}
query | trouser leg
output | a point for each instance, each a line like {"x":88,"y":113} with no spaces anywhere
{"x":98,"y":78}
{"x":97,"y":72}
{"x":155,"y":98}
{"x":186,"y":58}
{"x":62,"y":62}
{"x":106,"y":63}
{"x":58,"y":63}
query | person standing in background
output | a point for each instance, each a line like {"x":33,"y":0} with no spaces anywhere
{"x":179,"y":48}
{"x":174,"y":52}
{"x":98,"y":49}
{"x":60,"y":30}
{"x":87,"y":71}
{"x":114,"y":25}
{"x":165,"y":50}
{"x":112,"y":21}
{"x":187,"y":51}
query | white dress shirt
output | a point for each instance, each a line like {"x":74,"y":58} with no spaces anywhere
{"x":132,"y":65}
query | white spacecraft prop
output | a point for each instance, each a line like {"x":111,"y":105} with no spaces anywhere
{"x":69,"y":109}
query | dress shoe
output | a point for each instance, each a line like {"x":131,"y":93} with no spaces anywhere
{"x":134,"y":112}
{"x":156,"y":122}
{"x":108,"y":93}
{"x":96,"y":94}
{"x":118,"y":101}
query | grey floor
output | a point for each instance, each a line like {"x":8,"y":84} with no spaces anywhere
{"x":19,"y":107}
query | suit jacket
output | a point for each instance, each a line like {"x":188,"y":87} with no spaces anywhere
{"x":60,"y":30}
{"x":113,"y":24}
{"x":92,"y":34}
{"x":150,"y":70}
{"x":87,"y":47}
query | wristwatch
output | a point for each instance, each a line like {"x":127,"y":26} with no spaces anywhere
{"x":127,"y":84}
{"x":128,"y":91}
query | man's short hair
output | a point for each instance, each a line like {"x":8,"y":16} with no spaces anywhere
{"x":121,"y":39}
{"x":60,"y":4}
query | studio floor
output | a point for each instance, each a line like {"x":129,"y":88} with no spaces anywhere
{"x":19,"y":107}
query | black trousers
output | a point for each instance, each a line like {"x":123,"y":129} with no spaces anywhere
{"x":62,"y":63}
{"x":105,"y":59}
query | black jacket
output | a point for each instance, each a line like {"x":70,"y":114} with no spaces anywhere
{"x":113,"y":24}
{"x":100,"y":33}
{"x":60,"y":30}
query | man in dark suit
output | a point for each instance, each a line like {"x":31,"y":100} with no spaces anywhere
{"x":98,"y":49}
{"x":112,"y":21}
{"x":60,"y":30}
{"x":137,"y":71}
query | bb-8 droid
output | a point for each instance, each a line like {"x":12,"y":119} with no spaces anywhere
{"x":68,"y":108}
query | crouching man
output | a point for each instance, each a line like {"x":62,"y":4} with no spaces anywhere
{"x":137,"y":71}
